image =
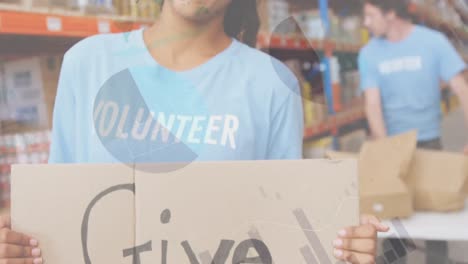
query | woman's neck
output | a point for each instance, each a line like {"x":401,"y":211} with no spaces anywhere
{"x":180,"y":44}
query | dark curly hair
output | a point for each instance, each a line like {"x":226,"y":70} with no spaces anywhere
{"x":242,"y":21}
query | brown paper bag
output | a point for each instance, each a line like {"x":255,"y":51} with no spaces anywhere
{"x":437,"y":180}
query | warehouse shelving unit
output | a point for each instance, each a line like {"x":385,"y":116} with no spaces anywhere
{"x":66,"y":24}
{"x":332,"y":124}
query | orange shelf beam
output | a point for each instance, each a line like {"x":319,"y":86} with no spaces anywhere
{"x":30,"y":23}
{"x":292,"y":42}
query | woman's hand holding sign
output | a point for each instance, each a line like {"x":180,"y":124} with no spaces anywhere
{"x":359,"y":244}
{"x":17,"y":248}
{"x":354,"y":245}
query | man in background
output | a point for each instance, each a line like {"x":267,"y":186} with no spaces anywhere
{"x":401,"y":69}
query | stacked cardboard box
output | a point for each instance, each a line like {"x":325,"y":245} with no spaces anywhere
{"x":142,"y":9}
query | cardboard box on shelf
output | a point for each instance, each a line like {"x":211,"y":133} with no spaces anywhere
{"x":31,"y":86}
{"x":15,"y":127}
{"x":311,"y":24}
{"x":13,"y":2}
{"x":274,"y":16}
{"x":48,"y":3}
{"x":253,"y":205}
{"x":437,"y":181}
{"x":123,"y":7}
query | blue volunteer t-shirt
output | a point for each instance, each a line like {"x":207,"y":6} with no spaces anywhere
{"x":408,"y":75}
{"x":116,"y":104}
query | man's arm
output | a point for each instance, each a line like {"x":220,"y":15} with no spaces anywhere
{"x":374,"y":113}
{"x":373,"y":101}
{"x":460,"y":89}
{"x":451,"y":70}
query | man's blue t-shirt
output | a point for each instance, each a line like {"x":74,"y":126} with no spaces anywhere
{"x":115,"y":103}
{"x":408,"y":75}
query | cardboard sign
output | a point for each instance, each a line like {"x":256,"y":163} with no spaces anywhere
{"x":229,"y":212}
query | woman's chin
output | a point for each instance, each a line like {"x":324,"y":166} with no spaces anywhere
{"x":199,"y":12}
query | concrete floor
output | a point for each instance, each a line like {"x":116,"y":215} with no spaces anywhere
{"x":454,"y":137}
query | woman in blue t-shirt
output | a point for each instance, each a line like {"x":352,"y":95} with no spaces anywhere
{"x":189,"y":88}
